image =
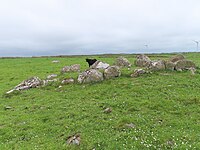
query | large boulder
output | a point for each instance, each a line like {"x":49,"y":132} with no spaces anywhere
{"x":176,"y":58}
{"x":157,"y":65}
{"x":99,"y":65}
{"x":112,"y":72}
{"x":122,"y":62}
{"x":91,"y":75}
{"x":142,"y":60}
{"x":184,"y":65}
{"x":169,"y":65}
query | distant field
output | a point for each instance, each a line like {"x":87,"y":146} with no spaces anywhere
{"x":164,"y":108}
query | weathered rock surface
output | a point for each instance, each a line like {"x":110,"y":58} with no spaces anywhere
{"x":157,"y":65}
{"x":99,"y":65}
{"x":32,"y":82}
{"x":74,"y":139}
{"x":184,"y":65}
{"x":176,"y":58}
{"x":138,"y":72}
{"x":66,"y":69}
{"x":169,"y":65}
{"x":112,"y":72}
{"x":51,"y":76}
{"x":72,"y":68}
{"x":68,"y":81}
{"x":75,"y":68}
{"x":107,"y":110}
{"x":122,"y":62}
{"x":91,"y":75}
{"x":193,"y":70}
{"x":142,"y":60}
{"x":46,"y":82}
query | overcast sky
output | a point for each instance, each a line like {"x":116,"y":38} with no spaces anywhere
{"x":57,"y":27}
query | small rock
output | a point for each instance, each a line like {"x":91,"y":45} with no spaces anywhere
{"x":193,"y":70}
{"x":66,"y":69}
{"x":46,"y":82}
{"x":75,"y":68}
{"x":52,"y":76}
{"x":74,"y":139}
{"x":138,"y":72}
{"x":107,"y":110}
{"x":68,"y":81}
{"x":72,"y":68}
{"x":8,"y":107}
{"x":55,"y":61}
{"x":170,"y":143}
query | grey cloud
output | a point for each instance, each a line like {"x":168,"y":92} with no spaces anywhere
{"x":54,"y":27}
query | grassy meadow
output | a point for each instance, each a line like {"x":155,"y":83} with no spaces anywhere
{"x":164,"y":107}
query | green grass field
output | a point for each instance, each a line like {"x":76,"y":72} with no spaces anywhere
{"x":164,"y":108}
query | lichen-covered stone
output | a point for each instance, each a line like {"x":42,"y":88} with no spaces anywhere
{"x":184,"y":65}
{"x":176,"y":58}
{"x":99,"y":65}
{"x":32,"y":82}
{"x":75,"y":68}
{"x":72,"y":68}
{"x":112,"y":72}
{"x":51,"y":76}
{"x":142,"y":61}
{"x":122,"y":62}
{"x":169,"y":65}
{"x":138,"y":72}
{"x":91,"y":75}
{"x":157,"y":65}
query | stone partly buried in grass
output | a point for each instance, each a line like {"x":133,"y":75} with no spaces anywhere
{"x":184,"y":65}
{"x":72,"y":68}
{"x":68,"y":81}
{"x":32,"y":82}
{"x":74,"y":139}
{"x":51,"y":76}
{"x":138,"y":72}
{"x":89,"y":76}
{"x":112,"y":72}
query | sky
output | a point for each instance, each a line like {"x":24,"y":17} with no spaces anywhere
{"x":76,"y":27}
